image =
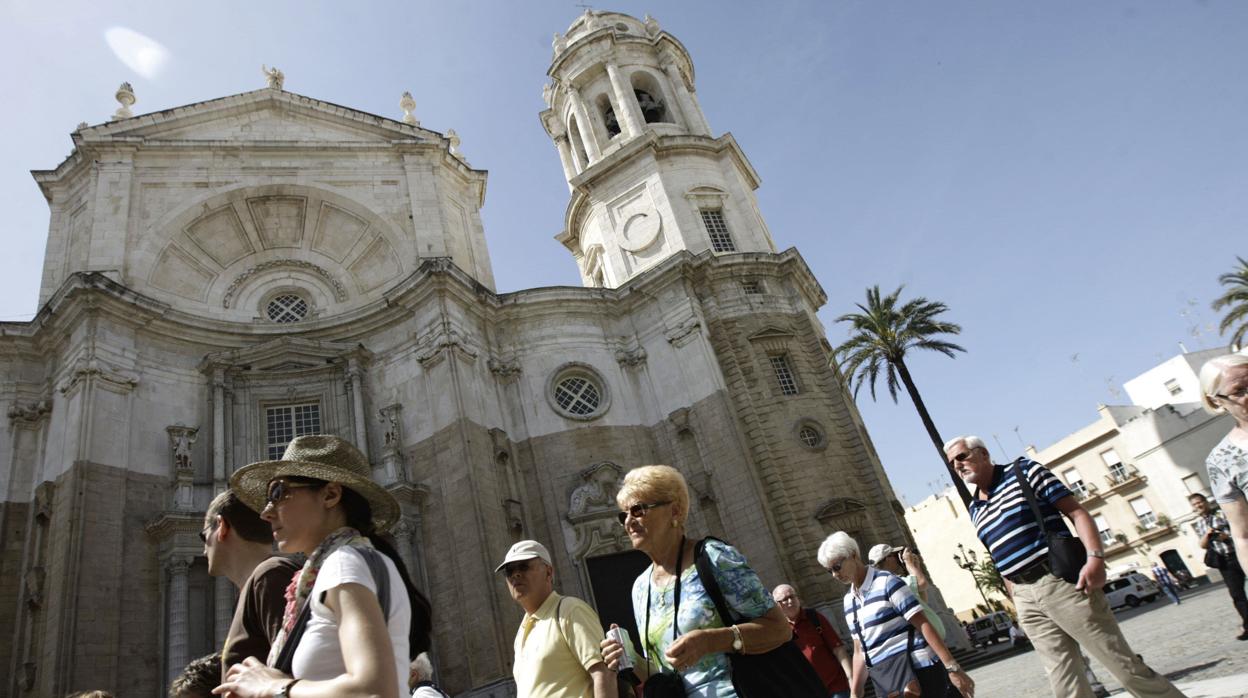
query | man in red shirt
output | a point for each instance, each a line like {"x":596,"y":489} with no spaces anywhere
{"x":817,"y":639}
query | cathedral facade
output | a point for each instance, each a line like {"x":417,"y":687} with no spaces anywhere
{"x":224,"y":276}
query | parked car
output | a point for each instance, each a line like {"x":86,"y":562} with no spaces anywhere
{"x":990,"y":629}
{"x":1131,"y":589}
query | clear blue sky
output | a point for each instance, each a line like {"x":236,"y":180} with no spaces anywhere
{"x":1069,"y":177}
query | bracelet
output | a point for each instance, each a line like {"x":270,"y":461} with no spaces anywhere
{"x":738,"y":643}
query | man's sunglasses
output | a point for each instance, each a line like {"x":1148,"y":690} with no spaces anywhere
{"x":514,"y":567}
{"x":637,"y":511}
{"x":280,"y":489}
{"x":961,"y":457}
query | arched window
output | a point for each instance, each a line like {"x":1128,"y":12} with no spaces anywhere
{"x":650,"y":98}
{"x":608,"y":116}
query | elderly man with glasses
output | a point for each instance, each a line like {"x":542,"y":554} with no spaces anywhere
{"x":1058,"y":616}
{"x":558,"y":652}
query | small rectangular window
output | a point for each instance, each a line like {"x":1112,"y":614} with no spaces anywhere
{"x":1194,"y":484}
{"x":752,"y":288}
{"x":284,"y":422}
{"x":717,"y":229}
{"x":1173,"y":386}
{"x":784,"y":374}
{"x":1144,"y":512}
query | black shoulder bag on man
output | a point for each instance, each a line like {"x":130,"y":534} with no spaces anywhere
{"x":1213,"y":558}
{"x":894,"y":677}
{"x":1066,"y":552}
{"x":664,"y":684}
{"x":780,"y":673}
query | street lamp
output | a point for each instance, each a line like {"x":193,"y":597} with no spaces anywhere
{"x":967,"y":561}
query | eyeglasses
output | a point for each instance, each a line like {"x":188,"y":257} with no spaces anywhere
{"x":514,"y":567}
{"x":961,"y":457}
{"x":207,"y":531}
{"x":835,"y":568}
{"x":637,"y":511}
{"x":1235,"y":396}
{"x":280,"y":489}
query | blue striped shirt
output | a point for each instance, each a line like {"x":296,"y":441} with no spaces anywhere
{"x":885,"y":606}
{"x":1004,"y":521}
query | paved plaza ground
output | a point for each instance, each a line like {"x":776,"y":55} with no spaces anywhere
{"x":1192,"y":643}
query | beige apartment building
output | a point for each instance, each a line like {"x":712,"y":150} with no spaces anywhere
{"x":1132,"y":469}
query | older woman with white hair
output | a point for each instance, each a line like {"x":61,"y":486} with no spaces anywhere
{"x":893,"y":639}
{"x":685,"y":638}
{"x":1224,"y":390}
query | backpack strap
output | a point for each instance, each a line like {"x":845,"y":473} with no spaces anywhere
{"x":381,"y":578}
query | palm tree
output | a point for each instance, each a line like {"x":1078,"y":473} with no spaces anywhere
{"x":1236,"y":299}
{"x":882,"y":334}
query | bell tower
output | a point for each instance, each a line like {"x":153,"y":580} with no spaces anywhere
{"x":647,"y":178}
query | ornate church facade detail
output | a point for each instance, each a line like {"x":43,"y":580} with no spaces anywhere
{"x":199,"y":311}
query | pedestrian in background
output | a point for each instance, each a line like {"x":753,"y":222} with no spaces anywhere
{"x":558,"y":652}
{"x":1215,"y":539}
{"x":907,"y":565}
{"x":420,"y":678}
{"x":238,"y":545}
{"x":349,"y":620}
{"x":1224,"y":387}
{"x":690,"y":646}
{"x":817,"y":640}
{"x":888,"y":623}
{"x":1059,"y":616}
{"x":1162,"y":576}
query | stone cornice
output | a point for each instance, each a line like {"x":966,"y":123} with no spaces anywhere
{"x":84,"y":293}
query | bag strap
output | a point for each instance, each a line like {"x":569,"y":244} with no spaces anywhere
{"x":866,"y":656}
{"x":706,"y":572}
{"x":1030,"y":494}
{"x":381,"y":577}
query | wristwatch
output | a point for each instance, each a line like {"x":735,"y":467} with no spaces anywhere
{"x":1097,"y":553}
{"x":737,"y":643}
{"x":284,"y":691}
{"x":954,"y":668}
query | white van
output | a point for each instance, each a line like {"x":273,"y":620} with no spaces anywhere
{"x":990,"y":629}
{"x":1131,"y":589}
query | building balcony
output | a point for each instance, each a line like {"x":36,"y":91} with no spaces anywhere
{"x":1125,"y":478}
{"x":1155,"y":528}
{"x":1087,"y":494}
{"x":1115,"y":543}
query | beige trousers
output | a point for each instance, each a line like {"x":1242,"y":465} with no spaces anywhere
{"x":1059,"y":620}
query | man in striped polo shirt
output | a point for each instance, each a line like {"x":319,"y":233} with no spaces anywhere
{"x":1058,"y":617}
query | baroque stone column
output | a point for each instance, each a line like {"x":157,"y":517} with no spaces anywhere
{"x":585,"y":125}
{"x":218,"y":429}
{"x":223,"y":608}
{"x":630,"y":112}
{"x":355,"y":385}
{"x":684,"y":99}
{"x":178,"y":622}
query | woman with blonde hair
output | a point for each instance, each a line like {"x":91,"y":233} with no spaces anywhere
{"x":353,"y":619}
{"x":1224,"y":390}
{"x":685,"y":637}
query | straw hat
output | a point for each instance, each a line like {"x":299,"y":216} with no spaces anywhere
{"x":322,"y":457}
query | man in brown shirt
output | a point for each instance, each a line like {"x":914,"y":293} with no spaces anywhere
{"x":239,"y":545}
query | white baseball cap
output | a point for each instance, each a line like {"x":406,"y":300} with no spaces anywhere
{"x":880,"y":551}
{"x":525,"y":550}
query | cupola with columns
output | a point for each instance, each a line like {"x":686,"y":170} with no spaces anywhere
{"x":647,"y":178}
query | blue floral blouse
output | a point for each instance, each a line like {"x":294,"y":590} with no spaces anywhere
{"x":744,"y":593}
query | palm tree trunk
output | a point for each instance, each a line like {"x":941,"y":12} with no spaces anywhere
{"x":931,"y":431}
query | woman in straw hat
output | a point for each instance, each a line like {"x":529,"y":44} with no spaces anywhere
{"x":335,"y":640}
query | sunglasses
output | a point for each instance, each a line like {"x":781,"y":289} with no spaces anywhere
{"x":961,"y":457}
{"x":280,"y":489}
{"x":836,"y":568}
{"x":1235,"y":396}
{"x":514,"y":567}
{"x":637,"y":511}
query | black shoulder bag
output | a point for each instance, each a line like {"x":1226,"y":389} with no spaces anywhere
{"x":894,"y":677}
{"x":1213,"y":558}
{"x":381,"y":577}
{"x":1066,"y":552}
{"x":664,"y":684}
{"x":780,"y":673}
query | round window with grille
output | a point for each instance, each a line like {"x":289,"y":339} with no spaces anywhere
{"x":578,"y":392}
{"x":286,"y":308}
{"x":810,"y":435}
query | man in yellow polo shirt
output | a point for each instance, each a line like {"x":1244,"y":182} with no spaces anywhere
{"x":558,"y":651}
